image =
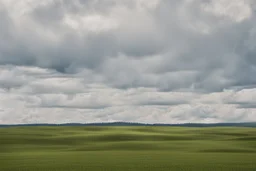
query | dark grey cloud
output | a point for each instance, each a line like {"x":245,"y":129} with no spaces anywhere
{"x":162,"y":103}
{"x":244,"y":105}
{"x":66,"y":36}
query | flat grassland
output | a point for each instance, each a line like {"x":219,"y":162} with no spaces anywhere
{"x":92,"y":148}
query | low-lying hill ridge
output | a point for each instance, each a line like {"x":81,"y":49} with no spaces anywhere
{"x":242,"y":124}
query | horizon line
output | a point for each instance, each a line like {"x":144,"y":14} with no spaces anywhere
{"x":136,"y":123}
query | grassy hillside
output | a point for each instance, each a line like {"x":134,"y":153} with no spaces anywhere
{"x":127,"y":148}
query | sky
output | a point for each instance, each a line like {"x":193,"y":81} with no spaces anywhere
{"x":149,"y":61}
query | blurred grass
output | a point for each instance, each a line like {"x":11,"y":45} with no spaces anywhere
{"x":127,"y":148}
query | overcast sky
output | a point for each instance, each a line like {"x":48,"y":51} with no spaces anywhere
{"x":150,"y":61}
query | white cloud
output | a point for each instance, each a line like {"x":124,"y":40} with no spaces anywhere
{"x":236,"y":10}
{"x":58,"y":99}
{"x":91,"y":23}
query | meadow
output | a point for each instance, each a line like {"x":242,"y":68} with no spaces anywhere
{"x":120,"y":148}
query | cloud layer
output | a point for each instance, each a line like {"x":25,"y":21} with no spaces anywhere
{"x":127,"y":60}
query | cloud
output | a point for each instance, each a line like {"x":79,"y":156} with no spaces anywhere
{"x":235,"y":10}
{"x":137,"y":60}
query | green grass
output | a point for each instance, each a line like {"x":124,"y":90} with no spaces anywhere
{"x":126,"y":148}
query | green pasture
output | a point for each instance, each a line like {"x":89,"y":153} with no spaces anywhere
{"x":127,"y":148}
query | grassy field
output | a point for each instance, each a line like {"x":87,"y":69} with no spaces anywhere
{"x":127,"y":148}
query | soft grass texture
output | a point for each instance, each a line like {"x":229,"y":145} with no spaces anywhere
{"x":116,"y":148}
